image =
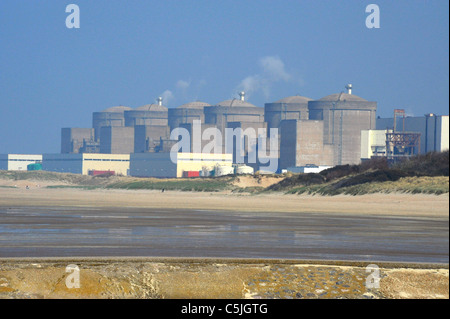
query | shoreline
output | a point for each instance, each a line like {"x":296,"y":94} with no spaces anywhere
{"x":228,"y":261}
{"x":392,"y":204}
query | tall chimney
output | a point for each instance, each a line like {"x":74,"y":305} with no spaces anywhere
{"x":242,"y":95}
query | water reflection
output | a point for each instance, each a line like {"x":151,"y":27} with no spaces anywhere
{"x":139,"y":232}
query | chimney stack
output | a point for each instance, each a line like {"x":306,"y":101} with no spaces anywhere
{"x":349,"y":88}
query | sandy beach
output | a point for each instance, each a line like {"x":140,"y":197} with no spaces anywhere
{"x":161,"y":278}
{"x":372,"y":204}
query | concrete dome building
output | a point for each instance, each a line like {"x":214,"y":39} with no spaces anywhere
{"x":289,"y":108}
{"x":233,"y":110}
{"x":112,"y":116}
{"x":344,"y":115}
{"x":187,"y":113}
{"x":149,"y":114}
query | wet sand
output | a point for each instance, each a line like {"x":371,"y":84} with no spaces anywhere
{"x":99,"y":231}
{"x":73,"y":222}
{"x":373,"y":204}
{"x":419,"y":223}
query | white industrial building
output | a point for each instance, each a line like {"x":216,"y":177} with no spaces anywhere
{"x":18,"y":162}
{"x":373,"y":143}
{"x":86,"y":162}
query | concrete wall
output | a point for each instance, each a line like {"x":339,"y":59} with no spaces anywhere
{"x":198,"y":136}
{"x":248,"y":142}
{"x":72,"y":139}
{"x":117,"y":140}
{"x":343,"y":123}
{"x":220,"y":115}
{"x":18,"y":162}
{"x":274,"y":113}
{"x":106,"y":119}
{"x":147,"y":138}
{"x":140,"y":117}
{"x":178,"y":116}
{"x":302,"y":144}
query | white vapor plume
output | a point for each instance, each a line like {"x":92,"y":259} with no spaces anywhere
{"x":273,"y":70}
{"x":167,"y":96}
{"x":183,"y":85}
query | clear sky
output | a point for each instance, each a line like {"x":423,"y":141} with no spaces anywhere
{"x":130,"y":52}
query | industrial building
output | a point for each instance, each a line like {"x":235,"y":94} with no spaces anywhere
{"x":402,"y":136}
{"x":186,"y":114}
{"x":163,"y":166}
{"x":117,"y":164}
{"x":433,"y":129}
{"x":113,"y":116}
{"x":373,"y":143}
{"x":310,"y":132}
{"x":344,"y":115}
{"x":337,"y":129}
{"x":18,"y":162}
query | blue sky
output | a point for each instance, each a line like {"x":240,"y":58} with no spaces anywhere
{"x":131,"y":52}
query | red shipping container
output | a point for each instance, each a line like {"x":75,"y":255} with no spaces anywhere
{"x":191,"y":174}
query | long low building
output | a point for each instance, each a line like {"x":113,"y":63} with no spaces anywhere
{"x":18,"y":162}
{"x":86,"y":163}
{"x":163,"y":166}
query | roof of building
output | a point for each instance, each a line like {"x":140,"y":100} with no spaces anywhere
{"x":151,"y":107}
{"x":117,"y":109}
{"x":294,"y":99}
{"x":235,"y":103}
{"x":342,"y":97}
{"x":194,"y":105}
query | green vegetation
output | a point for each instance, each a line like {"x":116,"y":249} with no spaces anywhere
{"x":420,"y":174}
{"x":73,"y":186}
{"x":191,"y":184}
{"x":428,"y":174}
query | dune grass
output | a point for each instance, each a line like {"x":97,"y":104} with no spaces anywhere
{"x":414,"y":185}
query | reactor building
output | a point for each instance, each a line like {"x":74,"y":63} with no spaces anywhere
{"x":323,"y":132}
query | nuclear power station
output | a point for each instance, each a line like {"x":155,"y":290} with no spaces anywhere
{"x":310,"y":132}
{"x":297,"y":133}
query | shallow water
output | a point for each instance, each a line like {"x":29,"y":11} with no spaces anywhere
{"x":94,"y":232}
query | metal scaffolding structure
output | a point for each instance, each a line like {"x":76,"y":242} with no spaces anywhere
{"x":401,"y":144}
